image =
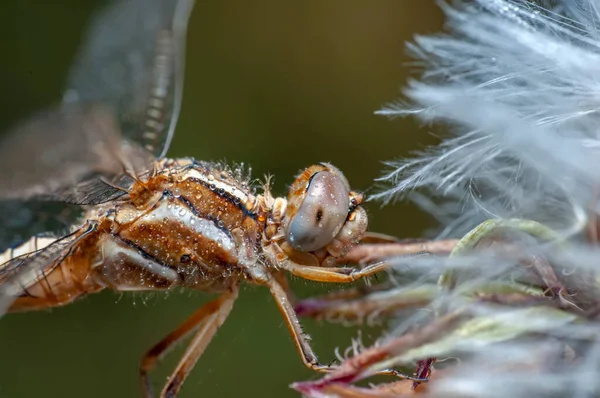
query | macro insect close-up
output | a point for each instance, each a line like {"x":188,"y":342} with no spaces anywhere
{"x":94,"y":198}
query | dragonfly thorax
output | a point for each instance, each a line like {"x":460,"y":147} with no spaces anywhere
{"x":189,"y":224}
{"x":199,"y":225}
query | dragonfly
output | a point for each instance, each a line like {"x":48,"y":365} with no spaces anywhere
{"x":121,"y":215}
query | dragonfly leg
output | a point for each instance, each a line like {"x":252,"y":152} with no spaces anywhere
{"x":291,"y":320}
{"x":334,"y":275}
{"x":282,"y":278}
{"x":369,"y":250}
{"x":205,"y":321}
{"x":300,"y":338}
{"x":279,"y":259}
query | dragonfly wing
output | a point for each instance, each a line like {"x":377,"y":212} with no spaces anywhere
{"x":126,"y":82}
{"x":133,"y":60}
{"x":24,"y":265}
{"x":58,"y":148}
{"x":22,"y":220}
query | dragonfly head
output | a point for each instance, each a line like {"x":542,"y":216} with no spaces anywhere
{"x":323,"y":212}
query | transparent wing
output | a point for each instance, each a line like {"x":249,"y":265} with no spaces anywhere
{"x":26,"y":264}
{"x":127,"y":81}
{"x":58,"y":148}
{"x":133,"y":60}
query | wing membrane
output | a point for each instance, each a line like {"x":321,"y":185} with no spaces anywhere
{"x":127,"y":81}
{"x":21,"y":220}
{"x":19,"y":271}
{"x":134,"y":61}
{"x":58,"y":148}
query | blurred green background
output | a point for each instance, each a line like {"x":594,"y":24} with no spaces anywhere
{"x":276,"y":84}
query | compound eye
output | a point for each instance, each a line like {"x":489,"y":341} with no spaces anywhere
{"x":322,"y":213}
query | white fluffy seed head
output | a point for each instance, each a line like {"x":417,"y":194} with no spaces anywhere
{"x":519,"y":87}
{"x":517,"y":84}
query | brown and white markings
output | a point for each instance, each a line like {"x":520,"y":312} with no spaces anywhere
{"x":153,"y":223}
